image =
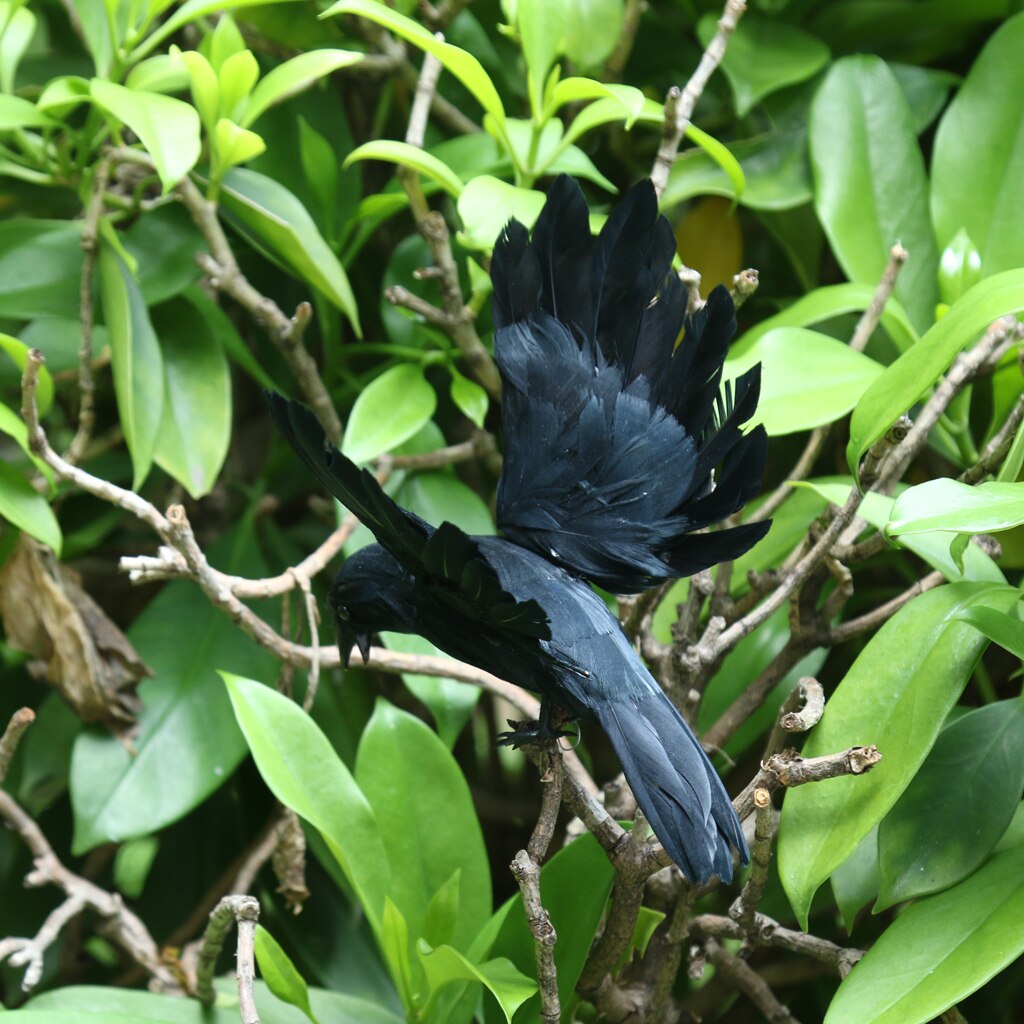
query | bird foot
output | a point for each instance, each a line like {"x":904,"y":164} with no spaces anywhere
{"x":531,"y":731}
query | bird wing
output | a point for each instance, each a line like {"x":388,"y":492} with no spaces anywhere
{"x":449,"y":560}
{"x":618,"y":439}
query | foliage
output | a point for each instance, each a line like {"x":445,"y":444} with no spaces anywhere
{"x":177,"y":178}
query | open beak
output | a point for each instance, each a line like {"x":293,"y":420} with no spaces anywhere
{"x":349,"y":637}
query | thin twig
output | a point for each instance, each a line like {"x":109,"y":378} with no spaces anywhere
{"x":743,"y":977}
{"x":744,"y":908}
{"x":996,"y":450}
{"x":801,"y":711}
{"x":20,"y":721}
{"x":244,"y":911}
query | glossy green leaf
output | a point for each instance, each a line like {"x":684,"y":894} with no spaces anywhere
{"x":592,"y":30}
{"x":471,"y":399}
{"x":195,"y":428}
{"x":303,"y":771}
{"x":870,"y":184}
{"x":610,"y":111}
{"x":508,"y":985}
{"x":487,"y":204}
{"x":721,"y":156}
{"x":575,"y":90}
{"x":855,"y":881}
{"x":959,"y":267}
{"x":232,"y":146}
{"x":135,"y":358}
{"x":23,"y":506}
{"x":388,"y":411}
{"x":40,"y":268}
{"x":807,"y":378}
{"x":926,"y":90}
{"x":980,"y":753}
{"x":164,"y":244}
{"x":404,"y":155}
{"x":63,"y":94}
{"x":204,"y":85}
{"x":826,"y":303}
{"x":167,"y":128}
{"x":932,"y":548}
{"x":16,"y":112}
{"x":237,"y":78}
{"x":223,"y":42}
{"x":117,"y":794}
{"x":295,"y":75}
{"x":17,"y":351}
{"x":541,"y":26}
{"x":17,"y":26}
{"x":895,"y":696}
{"x":946,"y":946}
{"x":951,"y":506}
{"x":983,"y":196}
{"x":394,"y":944}
{"x":162,"y":73}
{"x":907,"y":379}
{"x":277,"y":222}
{"x":280,"y":974}
{"x":431,"y":831}
{"x":464,"y":66}
{"x":1004,"y":629}
{"x":765,"y":55}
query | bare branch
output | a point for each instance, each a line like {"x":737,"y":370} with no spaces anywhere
{"x":873,"y":314}
{"x":244,"y":911}
{"x":742,"y":976}
{"x":20,"y":721}
{"x":801,"y":711}
{"x":744,"y":908}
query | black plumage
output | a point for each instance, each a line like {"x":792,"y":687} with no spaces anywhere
{"x":617,"y":445}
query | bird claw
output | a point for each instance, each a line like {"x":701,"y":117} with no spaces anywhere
{"x":531,"y":731}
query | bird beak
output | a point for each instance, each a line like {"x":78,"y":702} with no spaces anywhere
{"x":363,"y":643}
{"x":349,"y":637}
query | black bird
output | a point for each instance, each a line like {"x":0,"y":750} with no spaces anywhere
{"x":617,"y":445}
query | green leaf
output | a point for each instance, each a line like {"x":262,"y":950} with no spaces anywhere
{"x":870,"y":184}
{"x":855,"y":881}
{"x":135,"y":358}
{"x":223,"y":42}
{"x":236,"y":77}
{"x":721,"y":156}
{"x":16,"y":112}
{"x":807,"y":378}
{"x":471,"y":399}
{"x":487,"y":204}
{"x":951,"y":506}
{"x":117,"y":794}
{"x":765,"y":55}
{"x":464,"y":66}
{"x":574,"y":90}
{"x":280,"y":973}
{"x":274,"y":220}
{"x":164,"y":244}
{"x":163,"y":73}
{"x":541,"y":26}
{"x":132,"y":864}
{"x":1004,"y":629}
{"x":926,"y":90}
{"x":40,"y":268}
{"x":302,"y":770}
{"x":295,"y":75}
{"x":17,"y":352}
{"x":195,"y":427}
{"x":508,"y":985}
{"x":233,"y":145}
{"x":959,"y":267}
{"x":204,"y":84}
{"x":906,"y":380}
{"x":980,"y":753}
{"x":17,"y":26}
{"x":23,"y":506}
{"x":431,"y":831}
{"x":388,"y":411}
{"x":404,"y":155}
{"x":62,"y":95}
{"x":608,"y":111}
{"x":895,"y":696}
{"x":983,"y":196}
{"x":394,"y":944}
{"x":826,"y":303}
{"x":592,"y":29}
{"x":947,"y":946}
{"x":167,"y":128}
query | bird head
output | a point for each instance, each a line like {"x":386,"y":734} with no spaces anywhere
{"x":370,"y":593}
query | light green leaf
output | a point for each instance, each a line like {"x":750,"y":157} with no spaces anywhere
{"x":16,"y":112}
{"x":162,"y":73}
{"x":951,"y":506}
{"x":387,"y":412}
{"x":608,"y":111}
{"x":277,"y":222}
{"x":471,"y":399}
{"x":168,"y":128}
{"x":855,"y":881}
{"x":895,"y":696}
{"x":541,"y":25}
{"x":807,"y":378}
{"x":205,"y":86}
{"x":24,"y":507}
{"x":17,"y":351}
{"x":223,"y":42}
{"x":464,"y":66}
{"x":132,"y":864}
{"x":870,"y":184}
{"x":947,"y":946}
{"x":592,"y":30}
{"x":17,"y":26}
{"x":233,"y":145}
{"x":302,"y":770}
{"x":295,"y":75}
{"x":280,"y":973}
{"x":574,"y":90}
{"x":508,"y":986}
{"x":394,"y":944}
{"x":61,"y":95}
{"x":721,"y":155}
{"x":980,"y":753}
{"x":135,"y":358}
{"x":408,"y":156}
{"x":906,"y":380}
{"x":983,"y":196}
{"x":765,"y":55}
{"x":959,"y":267}
{"x":1004,"y":629}
{"x":195,"y":427}
{"x":236,"y":77}
{"x":826,"y":303}
{"x":487,"y":204}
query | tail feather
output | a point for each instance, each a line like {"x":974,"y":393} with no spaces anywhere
{"x":675,"y":785}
